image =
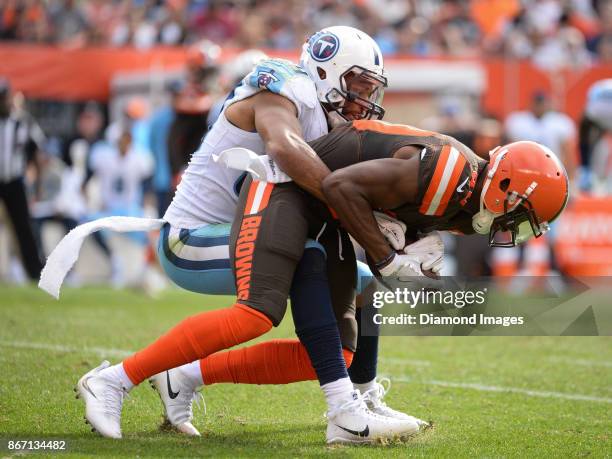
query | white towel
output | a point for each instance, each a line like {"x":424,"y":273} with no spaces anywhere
{"x":65,"y":255}
{"x":261,"y":167}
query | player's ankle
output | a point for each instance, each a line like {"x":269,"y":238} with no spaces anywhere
{"x":193,"y":374}
{"x":117,"y":373}
{"x":336,"y":392}
{"x":364,"y":387}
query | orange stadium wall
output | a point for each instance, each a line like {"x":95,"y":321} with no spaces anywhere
{"x":583,"y":237}
{"x":50,"y":73}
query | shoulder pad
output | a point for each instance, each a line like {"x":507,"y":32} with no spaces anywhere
{"x":284,"y":78}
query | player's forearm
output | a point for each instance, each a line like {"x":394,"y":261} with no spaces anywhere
{"x":355,"y":213}
{"x":300,"y":162}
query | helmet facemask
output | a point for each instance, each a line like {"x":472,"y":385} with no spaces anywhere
{"x":517,"y":226}
{"x":356,"y":82}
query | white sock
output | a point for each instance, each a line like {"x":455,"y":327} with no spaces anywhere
{"x":337,"y":392}
{"x":193,"y":372}
{"x":118,"y":373}
{"x":363,"y":388}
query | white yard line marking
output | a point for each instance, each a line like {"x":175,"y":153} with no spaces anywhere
{"x":109,"y":352}
{"x":101,"y":351}
{"x":581,"y":362}
{"x":513,"y":390}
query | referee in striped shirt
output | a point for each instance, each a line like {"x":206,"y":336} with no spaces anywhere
{"x":20,"y":137}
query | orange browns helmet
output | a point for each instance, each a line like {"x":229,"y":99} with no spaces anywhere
{"x":525,"y":189}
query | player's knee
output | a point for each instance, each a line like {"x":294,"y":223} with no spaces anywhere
{"x":364,"y":276}
{"x":348,"y":357}
{"x":253,"y":322}
{"x":312,"y":264}
{"x":315,"y":245}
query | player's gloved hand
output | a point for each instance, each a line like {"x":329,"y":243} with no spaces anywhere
{"x":401,"y":266}
{"x":261,"y":168}
{"x":393,"y":230}
{"x":404,"y":271}
{"x":428,"y":252}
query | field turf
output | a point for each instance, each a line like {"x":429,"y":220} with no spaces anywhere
{"x":487,"y":397}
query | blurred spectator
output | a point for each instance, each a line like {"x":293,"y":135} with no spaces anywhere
{"x":20,"y":138}
{"x":68,"y":22}
{"x":160,"y":123}
{"x":47,"y":184}
{"x":601,"y":44}
{"x":559,"y":46}
{"x":332,"y":12}
{"x":217,"y":21}
{"x":133,"y":118}
{"x":89,"y":125}
{"x":455,"y":117}
{"x":488,"y":135}
{"x":544,"y":125}
{"x":596,"y":139}
{"x":60,"y":185}
{"x":193,"y":103}
{"x":172,"y":25}
{"x":556,"y":131}
{"x":601,"y":165}
{"x":121,"y":169}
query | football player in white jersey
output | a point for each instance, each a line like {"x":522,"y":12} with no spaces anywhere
{"x":595,"y":139}
{"x":277,"y":108}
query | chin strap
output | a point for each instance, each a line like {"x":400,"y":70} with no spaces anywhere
{"x":482,"y":221}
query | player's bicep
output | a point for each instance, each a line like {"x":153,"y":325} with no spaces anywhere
{"x":275,"y":116}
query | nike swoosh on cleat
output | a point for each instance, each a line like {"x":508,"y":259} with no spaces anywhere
{"x":460,"y":187}
{"x":363,"y":433}
{"x":86,"y":386}
{"x":171,"y":394}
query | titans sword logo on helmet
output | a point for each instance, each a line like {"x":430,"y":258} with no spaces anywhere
{"x":324,"y":46}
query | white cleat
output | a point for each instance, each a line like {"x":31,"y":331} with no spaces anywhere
{"x":177,"y":394}
{"x":353,"y":422}
{"x":103,"y":398}
{"x":374,"y":401}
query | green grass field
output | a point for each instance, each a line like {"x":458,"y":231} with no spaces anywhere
{"x":487,"y":397}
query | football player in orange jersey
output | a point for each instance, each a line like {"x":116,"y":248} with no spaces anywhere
{"x":424,"y":180}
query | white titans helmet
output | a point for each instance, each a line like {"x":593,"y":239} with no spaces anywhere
{"x":338,"y":59}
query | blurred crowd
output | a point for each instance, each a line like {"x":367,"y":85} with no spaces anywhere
{"x":555,"y":34}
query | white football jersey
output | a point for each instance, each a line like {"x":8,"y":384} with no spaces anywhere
{"x":121,"y":176}
{"x":208,"y":191}
{"x":553,"y":129}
